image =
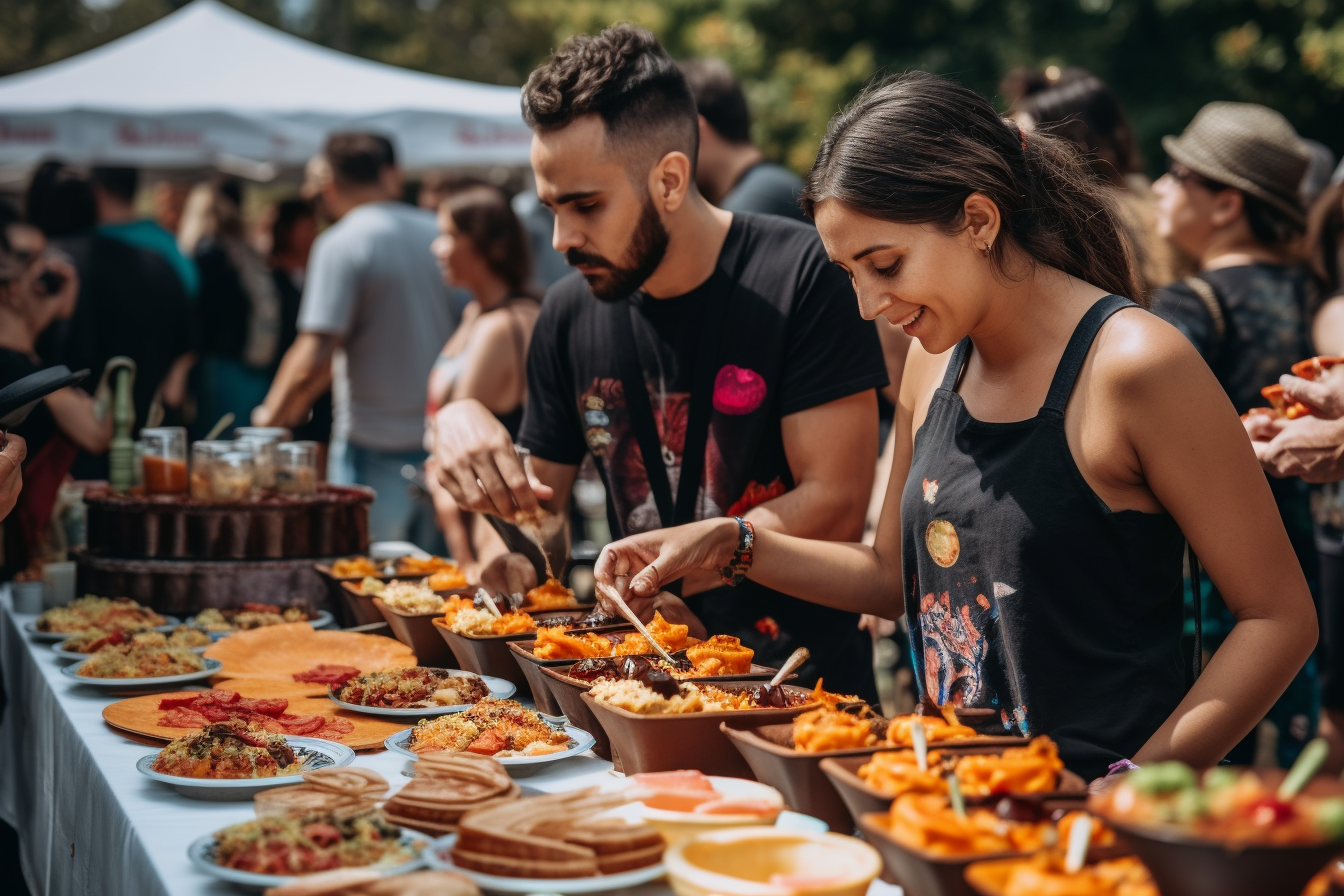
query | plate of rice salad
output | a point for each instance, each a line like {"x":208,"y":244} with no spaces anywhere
{"x":86,"y":644}
{"x":274,"y":850}
{"x":235,"y":760}
{"x":220,"y":623}
{"x":129,"y":666}
{"x":418,"y":691}
{"x":502,"y":729}
{"x":93,"y":612}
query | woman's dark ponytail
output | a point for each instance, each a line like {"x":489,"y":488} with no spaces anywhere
{"x":911,"y":149}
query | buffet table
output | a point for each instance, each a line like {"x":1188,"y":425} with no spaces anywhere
{"x":90,"y":823}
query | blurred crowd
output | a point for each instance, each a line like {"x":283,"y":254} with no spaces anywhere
{"x":353,"y":316}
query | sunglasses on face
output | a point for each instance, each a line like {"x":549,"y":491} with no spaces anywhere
{"x":1184,"y":175}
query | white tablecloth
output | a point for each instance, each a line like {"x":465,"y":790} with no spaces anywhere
{"x":89,"y":823}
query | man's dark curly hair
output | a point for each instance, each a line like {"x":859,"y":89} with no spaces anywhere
{"x":624,"y":76}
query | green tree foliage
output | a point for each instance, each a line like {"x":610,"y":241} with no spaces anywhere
{"x":801,"y":60}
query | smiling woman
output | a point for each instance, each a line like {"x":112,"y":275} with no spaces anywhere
{"x":1046,"y":475}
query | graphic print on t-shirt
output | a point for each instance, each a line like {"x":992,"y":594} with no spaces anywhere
{"x":962,"y":637}
{"x":608,"y":433}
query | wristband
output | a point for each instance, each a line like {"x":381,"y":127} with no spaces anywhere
{"x":736,"y":571}
{"x":1120,"y":767}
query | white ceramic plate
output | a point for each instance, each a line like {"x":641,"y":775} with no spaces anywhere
{"x":201,"y":852}
{"x":212,"y":667}
{"x":500,"y":689}
{"x":440,"y":858}
{"x":582,"y":741}
{"x":318,"y":753}
{"x":31,"y":628}
{"x":79,"y":657}
{"x":320,"y":619}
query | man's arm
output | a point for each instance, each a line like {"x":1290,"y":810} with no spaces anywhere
{"x":304,"y":374}
{"x":832,"y":454}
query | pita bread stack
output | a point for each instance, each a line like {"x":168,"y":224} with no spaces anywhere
{"x":324,"y":790}
{"x":446,"y":786}
{"x":555,"y":836}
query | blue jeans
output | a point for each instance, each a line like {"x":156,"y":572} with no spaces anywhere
{"x":401,"y":512}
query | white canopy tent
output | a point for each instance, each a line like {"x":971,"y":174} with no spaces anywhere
{"x":210,"y":87}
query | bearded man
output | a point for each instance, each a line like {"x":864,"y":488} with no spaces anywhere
{"x":711,"y":363}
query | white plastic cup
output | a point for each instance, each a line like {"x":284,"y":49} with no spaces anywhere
{"x":60,"y":581}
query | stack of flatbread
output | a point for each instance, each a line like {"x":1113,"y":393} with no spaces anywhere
{"x":559,"y":835}
{"x":446,"y":786}
{"x":324,"y":790}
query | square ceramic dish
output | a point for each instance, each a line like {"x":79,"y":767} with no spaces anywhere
{"x":416,"y":631}
{"x":860,"y":797}
{"x":918,"y":872}
{"x":569,"y":698}
{"x":668,"y":742}
{"x":359,"y":609}
{"x":490,"y":655}
{"x":1183,"y":865}
{"x":542,"y":689}
{"x":768,"y":749}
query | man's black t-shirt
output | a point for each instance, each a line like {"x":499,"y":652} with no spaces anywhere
{"x":795,"y":341}
{"x":132,"y":303}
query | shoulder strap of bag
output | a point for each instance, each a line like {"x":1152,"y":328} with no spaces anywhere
{"x":1209,"y":296}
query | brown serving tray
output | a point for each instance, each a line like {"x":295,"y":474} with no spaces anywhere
{"x":490,"y":655}
{"x":917,"y":872}
{"x":416,"y":631}
{"x":860,"y":797}
{"x":768,"y":749}
{"x":662,"y":743}
{"x":542,"y":689}
{"x":1183,"y":865}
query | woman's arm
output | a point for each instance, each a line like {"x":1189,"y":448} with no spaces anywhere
{"x":494,"y":372}
{"x":1191,"y":451}
{"x":853,"y":577}
{"x":73,"y":410}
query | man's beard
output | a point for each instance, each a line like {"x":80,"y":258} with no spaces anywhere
{"x":645,"y":252}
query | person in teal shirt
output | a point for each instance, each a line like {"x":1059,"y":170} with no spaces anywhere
{"x":115,"y":190}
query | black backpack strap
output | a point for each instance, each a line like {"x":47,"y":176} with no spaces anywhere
{"x":1214,"y":306}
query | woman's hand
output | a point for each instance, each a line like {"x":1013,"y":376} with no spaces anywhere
{"x":642,"y":564}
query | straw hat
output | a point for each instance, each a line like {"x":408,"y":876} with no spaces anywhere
{"x":1250,"y":147}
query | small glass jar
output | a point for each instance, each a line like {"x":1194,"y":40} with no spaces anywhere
{"x":164,"y":460}
{"x":203,"y":455}
{"x":296,"y":468}
{"x":263,"y":440}
{"x":231,"y":476}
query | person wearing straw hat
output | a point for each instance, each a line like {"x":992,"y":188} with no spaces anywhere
{"x":1230,"y":200}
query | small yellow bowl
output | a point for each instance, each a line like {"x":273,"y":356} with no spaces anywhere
{"x":743,"y":861}
{"x":678,"y":826}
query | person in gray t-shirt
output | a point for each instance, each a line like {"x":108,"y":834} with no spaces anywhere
{"x":374,"y":299}
{"x":730,"y":170}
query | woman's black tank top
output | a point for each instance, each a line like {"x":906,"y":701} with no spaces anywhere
{"x":1024,"y":592}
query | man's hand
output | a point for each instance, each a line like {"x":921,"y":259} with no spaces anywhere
{"x":479,"y":466}
{"x":508,"y":574}
{"x":11,"y":473}
{"x":1327,"y":397}
{"x":1263,"y":427}
{"x":1309,"y":448}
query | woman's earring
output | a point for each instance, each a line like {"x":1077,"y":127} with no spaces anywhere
{"x":986,"y":249}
